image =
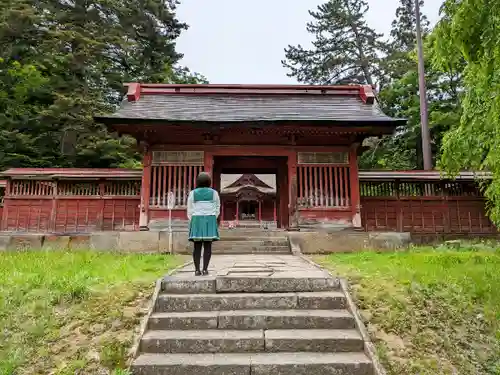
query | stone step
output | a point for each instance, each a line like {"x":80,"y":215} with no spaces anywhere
{"x":313,"y":340}
{"x":253,"y":319}
{"x":249,"y":244}
{"x":246,"y":249}
{"x":295,"y":282}
{"x":246,"y":301}
{"x":278,"y":284}
{"x":243,"y":341}
{"x":202,"y":341}
{"x":235,"y":237}
{"x":253,"y":363}
{"x":229,"y":233}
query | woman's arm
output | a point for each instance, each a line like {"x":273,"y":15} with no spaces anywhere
{"x":217,"y":203}
{"x":190,"y":205}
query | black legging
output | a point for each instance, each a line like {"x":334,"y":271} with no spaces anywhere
{"x":207,"y":246}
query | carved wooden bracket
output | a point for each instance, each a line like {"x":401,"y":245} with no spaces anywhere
{"x":292,"y":139}
{"x":210,"y":138}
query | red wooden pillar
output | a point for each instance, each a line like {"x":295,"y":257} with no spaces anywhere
{"x":292,"y":191}
{"x":6,"y":205}
{"x":100,"y":214}
{"x":399,"y":208}
{"x":53,"y":211}
{"x":208,"y":163}
{"x":354,"y":179}
{"x":274,"y":211}
{"x":145,"y":190}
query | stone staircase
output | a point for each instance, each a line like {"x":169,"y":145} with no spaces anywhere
{"x":261,"y":316}
{"x":249,"y":241}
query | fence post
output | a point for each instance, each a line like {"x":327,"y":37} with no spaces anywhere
{"x":53,"y":211}
{"x":399,"y":208}
{"x":100,"y":213}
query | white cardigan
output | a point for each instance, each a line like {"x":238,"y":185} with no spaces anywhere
{"x":203,"y":208}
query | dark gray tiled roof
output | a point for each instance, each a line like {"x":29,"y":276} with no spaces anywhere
{"x":235,"y":108}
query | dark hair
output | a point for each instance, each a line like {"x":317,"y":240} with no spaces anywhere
{"x":203,"y":180}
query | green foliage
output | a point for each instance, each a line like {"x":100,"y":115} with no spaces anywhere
{"x":429,"y":311}
{"x":345,"y":49}
{"x":470,"y":31}
{"x":401,"y":99}
{"x":403,"y":40}
{"x":89,"y":302}
{"x":399,"y":96}
{"x":64,"y":62}
{"x":21,"y":88}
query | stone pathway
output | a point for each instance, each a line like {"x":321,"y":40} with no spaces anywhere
{"x":253,"y":315}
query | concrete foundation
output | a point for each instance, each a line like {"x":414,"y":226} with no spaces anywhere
{"x":232,"y":242}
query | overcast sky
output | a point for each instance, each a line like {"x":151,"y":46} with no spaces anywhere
{"x":242,"y":41}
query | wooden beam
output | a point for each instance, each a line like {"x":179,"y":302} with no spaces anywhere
{"x":134,"y":92}
{"x":367,"y":95}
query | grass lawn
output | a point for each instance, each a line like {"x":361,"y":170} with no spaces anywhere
{"x":73,"y":312}
{"x":429,"y":311}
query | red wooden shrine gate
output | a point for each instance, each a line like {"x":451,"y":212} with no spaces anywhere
{"x":323,"y":186}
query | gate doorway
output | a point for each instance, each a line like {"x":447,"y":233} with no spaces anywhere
{"x":259,"y":185}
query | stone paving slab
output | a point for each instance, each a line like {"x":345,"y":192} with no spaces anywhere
{"x":259,"y":274}
{"x":278,"y":265}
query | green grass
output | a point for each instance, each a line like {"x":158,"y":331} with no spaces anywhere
{"x":429,"y":311}
{"x":73,"y":312}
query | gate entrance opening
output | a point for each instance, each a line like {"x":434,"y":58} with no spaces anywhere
{"x":253,"y":190}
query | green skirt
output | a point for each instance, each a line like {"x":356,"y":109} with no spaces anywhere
{"x":203,"y":228}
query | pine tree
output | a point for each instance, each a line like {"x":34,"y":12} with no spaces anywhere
{"x":398,"y":60}
{"x":345,"y":49}
{"x":403,"y":30}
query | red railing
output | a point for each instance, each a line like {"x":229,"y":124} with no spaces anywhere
{"x":416,"y":201}
{"x":71,"y":206}
{"x":434,"y":205}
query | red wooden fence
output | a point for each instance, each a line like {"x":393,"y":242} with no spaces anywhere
{"x":71,"y":206}
{"x":429,"y":206}
{"x":75,"y":200}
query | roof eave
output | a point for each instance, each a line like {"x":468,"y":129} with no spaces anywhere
{"x":110,"y":120}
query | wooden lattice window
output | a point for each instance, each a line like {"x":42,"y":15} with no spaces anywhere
{"x":178,"y":157}
{"x":178,"y":179}
{"x":324,"y":186}
{"x":122,"y":188}
{"x":418,"y":189}
{"x":31,"y":188}
{"x":323,"y":158}
{"x":78,"y":188}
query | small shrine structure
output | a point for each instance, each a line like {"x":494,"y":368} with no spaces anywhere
{"x":248,"y":199}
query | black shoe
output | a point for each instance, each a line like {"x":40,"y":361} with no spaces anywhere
{"x":197,"y":273}
{"x":205,"y":272}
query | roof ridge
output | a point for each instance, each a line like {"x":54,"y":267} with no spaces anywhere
{"x":135,"y":90}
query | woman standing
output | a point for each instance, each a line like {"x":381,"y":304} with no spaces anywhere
{"x":203,"y":209}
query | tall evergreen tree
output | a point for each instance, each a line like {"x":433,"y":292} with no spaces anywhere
{"x":345,"y":49}
{"x":403,"y":41}
{"x":403,"y":30}
{"x":86,"y":50}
